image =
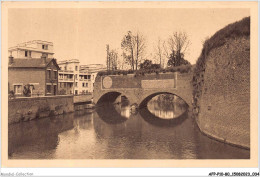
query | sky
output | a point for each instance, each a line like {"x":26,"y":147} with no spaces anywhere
{"x":83,"y":33}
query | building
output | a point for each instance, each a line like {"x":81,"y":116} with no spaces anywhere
{"x":40,"y":74}
{"x":93,"y":69}
{"x":32,"y":49}
{"x":72,"y":80}
{"x":77,"y":79}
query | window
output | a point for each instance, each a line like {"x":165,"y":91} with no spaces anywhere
{"x":55,"y":74}
{"x":76,"y":76}
{"x":86,"y":84}
{"x":27,"y":53}
{"x":76,"y":84}
{"x":45,"y":47}
{"x":65,"y":68}
{"x":48,"y":74}
{"x":55,"y":89}
{"x":83,"y":84}
{"x":48,"y":88}
{"x":17,"y":89}
{"x":76,"y":68}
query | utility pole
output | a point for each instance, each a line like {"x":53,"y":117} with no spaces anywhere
{"x":108,"y":60}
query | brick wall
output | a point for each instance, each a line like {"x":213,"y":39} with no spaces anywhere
{"x":24,"y":109}
{"x":26,"y":76}
{"x":131,"y":86}
{"x":224,"y":105}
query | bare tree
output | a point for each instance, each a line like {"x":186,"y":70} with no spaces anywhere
{"x":159,"y":52}
{"x":113,"y":55}
{"x":177,"y":45}
{"x":133,"y":47}
{"x":112,"y":59}
{"x":140,"y":49}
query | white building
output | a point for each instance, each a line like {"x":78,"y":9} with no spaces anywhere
{"x":93,"y":69}
{"x":72,"y":80}
{"x":32,"y":49}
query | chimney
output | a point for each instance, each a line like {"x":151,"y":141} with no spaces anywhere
{"x":44,"y":59}
{"x":11,"y":59}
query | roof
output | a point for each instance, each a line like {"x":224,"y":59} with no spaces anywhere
{"x":30,"y":49}
{"x":69,"y":61}
{"x":31,"y":63}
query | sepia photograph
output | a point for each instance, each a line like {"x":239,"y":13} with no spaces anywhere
{"x":130,"y":81}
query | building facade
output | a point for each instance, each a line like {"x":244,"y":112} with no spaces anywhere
{"x":72,"y":80}
{"x":32,"y":49}
{"x":39,"y":74}
{"x":93,"y":69}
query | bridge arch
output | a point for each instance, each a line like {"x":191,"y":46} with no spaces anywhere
{"x":108,"y":97}
{"x":146,"y":98}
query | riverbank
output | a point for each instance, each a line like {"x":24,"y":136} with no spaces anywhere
{"x":29,"y":108}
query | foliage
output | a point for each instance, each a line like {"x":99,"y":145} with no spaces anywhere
{"x":27,"y":90}
{"x":11,"y":94}
{"x":175,"y":48}
{"x":182,"y":69}
{"x":147,"y":64}
{"x":237,"y":29}
{"x":177,"y":60}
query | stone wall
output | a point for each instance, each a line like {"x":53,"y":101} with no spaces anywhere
{"x":82,"y":98}
{"x":24,"y":109}
{"x":224,"y":104}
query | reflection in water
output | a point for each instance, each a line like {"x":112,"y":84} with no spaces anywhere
{"x":167,"y":106}
{"x":107,"y":133}
{"x":110,"y":113}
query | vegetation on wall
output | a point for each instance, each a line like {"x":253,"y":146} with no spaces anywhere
{"x":181,"y":69}
{"x":231,"y":31}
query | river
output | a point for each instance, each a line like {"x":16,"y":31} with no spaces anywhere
{"x":160,"y":131}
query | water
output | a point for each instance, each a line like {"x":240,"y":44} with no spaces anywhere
{"x":163,"y":131}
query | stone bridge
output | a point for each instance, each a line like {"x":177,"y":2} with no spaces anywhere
{"x":140,"y":89}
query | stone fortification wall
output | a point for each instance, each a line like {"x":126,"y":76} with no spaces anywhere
{"x":221,"y":94}
{"x":24,"y":109}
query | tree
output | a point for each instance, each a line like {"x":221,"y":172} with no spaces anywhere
{"x":176,"y":47}
{"x":112,"y":59}
{"x":113,"y":55}
{"x":159,"y":52}
{"x":148,"y":64}
{"x":133,"y":47}
{"x":173,"y":59}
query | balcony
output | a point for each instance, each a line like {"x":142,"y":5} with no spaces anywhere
{"x":66,"y":71}
{"x":82,"y":79}
{"x":66,"y":79}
